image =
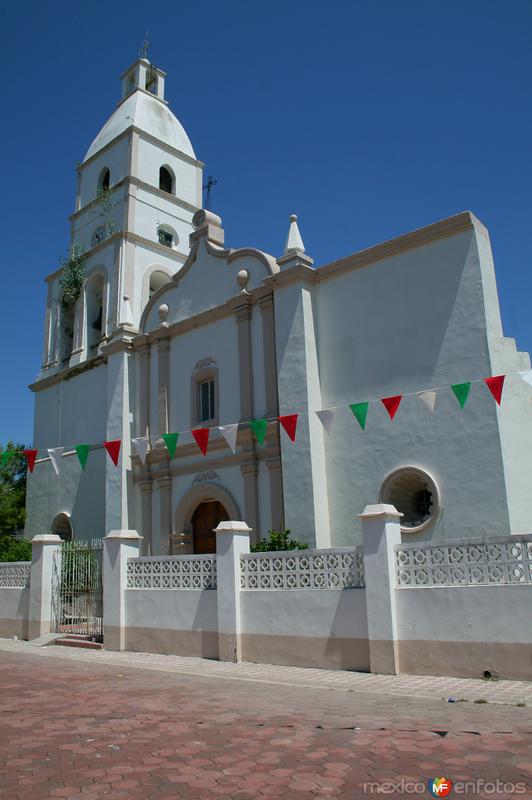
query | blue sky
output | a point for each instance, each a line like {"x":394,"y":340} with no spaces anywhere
{"x":367,"y":119}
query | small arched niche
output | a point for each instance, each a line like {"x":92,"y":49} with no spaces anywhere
{"x":94,"y":298}
{"x":166,"y":180}
{"x":62,"y":527}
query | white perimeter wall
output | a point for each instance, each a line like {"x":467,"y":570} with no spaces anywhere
{"x":14,"y":606}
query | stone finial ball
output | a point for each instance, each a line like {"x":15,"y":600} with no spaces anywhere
{"x":163,"y":312}
{"x":243,"y":277}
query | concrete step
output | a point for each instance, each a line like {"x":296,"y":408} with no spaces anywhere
{"x":73,"y":640}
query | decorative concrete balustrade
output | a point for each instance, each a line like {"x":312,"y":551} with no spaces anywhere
{"x":15,"y":574}
{"x":171,"y":572}
{"x":338,"y":568}
{"x":465,"y":562}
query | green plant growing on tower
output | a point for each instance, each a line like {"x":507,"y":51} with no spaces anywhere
{"x":72,"y":274}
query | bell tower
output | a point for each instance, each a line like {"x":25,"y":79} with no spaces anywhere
{"x":138,"y":188}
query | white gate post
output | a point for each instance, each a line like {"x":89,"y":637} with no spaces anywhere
{"x":381,"y":530}
{"x":232,"y":539}
{"x":43,"y":548}
{"x":118,"y":546}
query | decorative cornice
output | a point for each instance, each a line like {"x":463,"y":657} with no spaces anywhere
{"x":408,"y":241}
{"x":67,"y":373}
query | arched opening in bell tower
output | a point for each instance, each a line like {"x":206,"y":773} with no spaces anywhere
{"x":94,"y":294}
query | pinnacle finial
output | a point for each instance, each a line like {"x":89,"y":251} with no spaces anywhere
{"x":294,"y":242}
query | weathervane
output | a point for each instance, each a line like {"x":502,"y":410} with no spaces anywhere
{"x":207,"y":188}
{"x":143,"y":53}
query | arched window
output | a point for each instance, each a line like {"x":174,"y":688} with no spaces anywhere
{"x":166,"y":235}
{"x":157,"y":280}
{"x":62,"y":527}
{"x":94,"y":294}
{"x":166,"y":180}
{"x":204,"y":393}
{"x":104,"y":180}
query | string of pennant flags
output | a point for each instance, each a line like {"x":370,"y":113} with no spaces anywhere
{"x":259,"y":427}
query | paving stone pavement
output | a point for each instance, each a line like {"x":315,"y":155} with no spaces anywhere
{"x":124,"y":726}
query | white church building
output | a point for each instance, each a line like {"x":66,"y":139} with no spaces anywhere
{"x":175,"y":331}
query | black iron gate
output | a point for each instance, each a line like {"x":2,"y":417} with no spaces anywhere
{"x":77,"y":592}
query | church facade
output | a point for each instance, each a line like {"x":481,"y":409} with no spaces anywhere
{"x":174,"y":332}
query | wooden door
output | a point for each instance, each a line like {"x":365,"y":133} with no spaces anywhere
{"x":204,"y":519}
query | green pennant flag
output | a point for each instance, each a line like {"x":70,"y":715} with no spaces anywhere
{"x":360,"y":410}
{"x":259,"y":427}
{"x":82,"y":452}
{"x":170,"y":440}
{"x":461,"y":391}
{"x":6,"y":455}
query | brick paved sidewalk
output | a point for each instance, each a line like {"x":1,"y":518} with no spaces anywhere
{"x":506,"y":692}
{"x":95,"y":726}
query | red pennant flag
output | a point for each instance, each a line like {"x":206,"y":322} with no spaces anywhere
{"x":31,"y":455}
{"x":495,"y":385}
{"x":289,"y":423}
{"x":201,"y":435}
{"x":391,"y":404}
{"x":113,"y":448}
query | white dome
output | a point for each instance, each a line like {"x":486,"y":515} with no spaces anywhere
{"x":149,"y":114}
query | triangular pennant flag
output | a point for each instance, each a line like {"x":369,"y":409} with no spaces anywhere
{"x":229,"y":433}
{"x":141,"y":445}
{"x":527,"y":376}
{"x":461,"y":392}
{"x":259,"y":427}
{"x":289,"y":423}
{"x":495,"y":385}
{"x":170,"y":440}
{"x":31,"y":456}
{"x":326,"y":417}
{"x":201,"y":435}
{"x":113,"y":448}
{"x":82,"y":451}
{"x":55,"y":454}
{"x":360,"y":410}
{"x":6,"y":455}
{"x":428,"y":399}
{"x":391,"y":404}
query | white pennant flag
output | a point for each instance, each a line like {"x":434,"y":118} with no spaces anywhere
{"x":428,"y":399}
{"x":55,"y":454}
{"x":326,"y":417}
{"x":527,"y":376}
{"x":141,"y":447}
{"x":229,"y":433}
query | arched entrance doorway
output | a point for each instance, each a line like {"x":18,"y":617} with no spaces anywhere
{"x":205,"y":518}
{"x":199,"y":511}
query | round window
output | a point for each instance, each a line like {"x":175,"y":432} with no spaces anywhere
{"x":415,"y":494}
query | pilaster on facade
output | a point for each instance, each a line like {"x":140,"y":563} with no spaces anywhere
{"x":250,"y":472}
{"x":142,"y":347}
{"x":242,"y":306}
{"x":161,"y":539}
{"x":275,"y":474}
{"x":266,"y":305}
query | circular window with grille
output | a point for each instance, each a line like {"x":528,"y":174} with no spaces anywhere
{"x":414,"y":493}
